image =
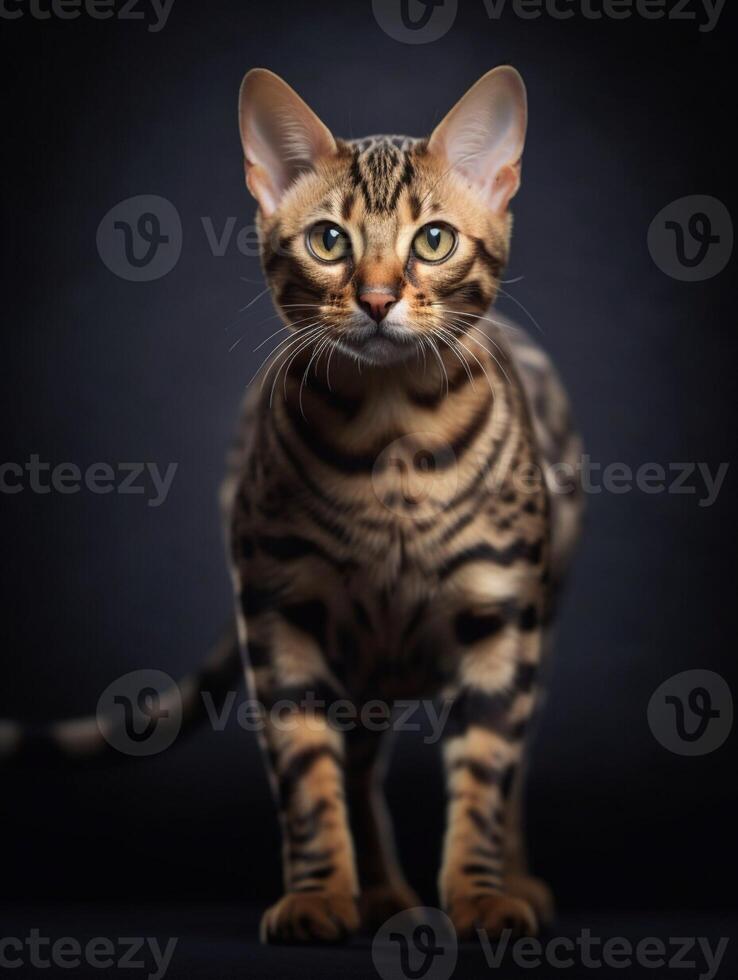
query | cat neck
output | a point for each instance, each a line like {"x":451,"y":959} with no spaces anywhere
{"x":342,"y":392}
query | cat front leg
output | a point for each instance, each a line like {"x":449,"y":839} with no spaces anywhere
{"x":498,"y":657}
{"x":321,"y":888}
{"x":305,"y":757}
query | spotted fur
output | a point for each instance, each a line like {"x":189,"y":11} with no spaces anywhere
{"x":390,"y":525}
{"x":392,"y":535}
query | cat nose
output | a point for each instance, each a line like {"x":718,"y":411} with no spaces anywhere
{"x":377,"y":303}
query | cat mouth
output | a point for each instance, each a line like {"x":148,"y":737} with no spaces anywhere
{"x":378,"y":344}
{"x":374,"y":336}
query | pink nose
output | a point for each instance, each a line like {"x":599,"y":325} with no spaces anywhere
{"x":377,"y":303}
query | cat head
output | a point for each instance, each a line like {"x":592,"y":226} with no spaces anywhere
{"x":382,"y":244}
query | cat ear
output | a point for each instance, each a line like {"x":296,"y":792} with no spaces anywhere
{"x":483,"y":135}
{"x":281,"y":135}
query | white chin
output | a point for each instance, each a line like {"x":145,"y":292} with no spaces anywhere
{"x":389,"y":346}
{"x":382,"y":350}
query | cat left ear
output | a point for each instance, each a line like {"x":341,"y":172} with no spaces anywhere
{"x":281,"y":135}
{"x":483,"y":135}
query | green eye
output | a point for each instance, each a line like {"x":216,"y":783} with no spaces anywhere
{"x":328,"y":242}
{"x":433,"y":243}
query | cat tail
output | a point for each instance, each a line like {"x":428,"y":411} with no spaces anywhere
{"x":110,"y":736}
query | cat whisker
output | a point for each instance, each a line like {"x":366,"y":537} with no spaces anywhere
{"x":472,"y":326}
{"x":284,"y":340}
{"x":275,"y":354}
{"x":423,"y":349}
{"x":473,"y":316}
{"x":309,"y":342}
{"x":471,"y":353}
{"x":301,"y":306}
{"x":334,"y":348}
{"x":281,"y":359}
{"x":320,"y":346}
{"x":527,"y":312}
{"x":444,"y":374}
{"x":466,"y":328}
{"x":257,"y":297}
{"x":285,"y":327}
{"x":444,"y":334}
{"x":484,"y":370}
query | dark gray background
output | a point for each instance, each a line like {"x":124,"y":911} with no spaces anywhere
{"x":625,"y":117}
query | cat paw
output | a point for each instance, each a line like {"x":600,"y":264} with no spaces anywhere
{"x":316,"y":917}
{"x":494,"y":914}
{"x":536,"y":893}
{"x":380,"y":902}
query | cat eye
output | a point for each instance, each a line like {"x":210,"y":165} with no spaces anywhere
{"x":327,"y":242}
{"x":434,"y":242}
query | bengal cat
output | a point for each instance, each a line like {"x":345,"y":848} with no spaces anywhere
{"x":397,"y":524}
{"x":391,"y":531}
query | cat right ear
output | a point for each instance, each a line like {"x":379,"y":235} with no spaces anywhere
{"x":482,"y":137}
{"x":281,"y":135}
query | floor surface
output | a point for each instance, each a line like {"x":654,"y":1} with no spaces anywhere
{"x":219,"y":943}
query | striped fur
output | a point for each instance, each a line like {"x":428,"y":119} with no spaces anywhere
{"x":390,"y":530}
{"x":93,"y":740}
{"x":391,"y":534}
